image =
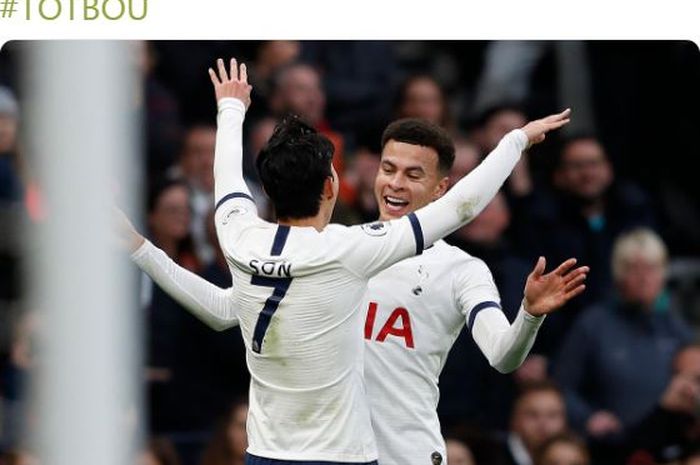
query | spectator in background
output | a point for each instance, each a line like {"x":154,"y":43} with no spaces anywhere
{"x":270,"y":57}
{"x":357,"y":78}
{"x":159,"y":451}
{"x":361,"y":174}
{"x":616,"y":361}
{"x":563,"y":449}
{"x":196,"y":167}
{"x":420,"y":96}
{"x":14,"y":380}
{"x":538,"y":415}
{"x":230,"y":440}
{"x":581,"y":218}
{"x":672,"y":429}
{"x":492,"y":126}
{"x":10,"y":185}
{"x":458,"y":453}
{"x":169,"y":218}
{"x":19,"y":457}
{"x":160,"y":111}
{"x":168,"y":221}
{"x":297,"y":89}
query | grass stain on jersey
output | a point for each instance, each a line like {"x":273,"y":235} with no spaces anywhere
{"x":466,"y":209}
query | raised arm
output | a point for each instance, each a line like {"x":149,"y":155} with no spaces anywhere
{"x":505,"y":346}
{"x":211,"y":304}
{"x":233,"y":99}
{"x":383,"y":244}
{"x":473,"y":192}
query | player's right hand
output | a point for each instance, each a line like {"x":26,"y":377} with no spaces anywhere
{"x":537,"y":129}
{"x":232,"y":84}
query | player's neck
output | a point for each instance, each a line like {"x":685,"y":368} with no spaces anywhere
{"x":317,"y":222}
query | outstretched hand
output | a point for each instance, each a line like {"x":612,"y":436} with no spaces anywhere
{"x":127,"y":237}
{"x":231,"y":84}
{"x":537,"y":129}
{"x":545,"y":293}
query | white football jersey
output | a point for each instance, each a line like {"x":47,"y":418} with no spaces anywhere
{"x":414,"y":312}
{"x":298,"y":292}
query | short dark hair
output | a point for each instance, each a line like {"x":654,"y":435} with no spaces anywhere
{"x":417,"y":131}
{"x":293,"y":167}
{"x":532,"y":387}
{"x":570,"y":140}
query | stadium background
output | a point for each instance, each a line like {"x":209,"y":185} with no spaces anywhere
{"x":639,"y":99}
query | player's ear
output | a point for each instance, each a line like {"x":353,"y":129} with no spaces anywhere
{"x":441,"y":188}
{"x":328,"y":188}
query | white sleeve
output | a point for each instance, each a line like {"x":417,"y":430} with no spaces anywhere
{"x":370,"y":248}
{"x":505,"y":346}
{"x":211,"y":304}
{"x":471,"y":194}
{"x":229,"y":183}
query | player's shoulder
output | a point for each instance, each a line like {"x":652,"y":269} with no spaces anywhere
{"x":357,"y":232}
{"x":456,"y":257}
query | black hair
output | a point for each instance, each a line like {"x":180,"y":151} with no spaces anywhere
{"x":293,"y":168}
{"x":417,"y":131}
{"x":446,"y":119}
{"x":531,"y":387}
{"x":488,"y":114}
{"x":159,"y":186}
{"x":569,"y":140}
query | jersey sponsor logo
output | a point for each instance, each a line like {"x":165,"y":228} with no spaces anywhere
{"x":397,"y":325}
{"x":235,"y":211}
{"x":375,"y":229}
{"x":271,"y":268}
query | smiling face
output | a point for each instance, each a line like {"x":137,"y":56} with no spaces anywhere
{"x":408,"y":179}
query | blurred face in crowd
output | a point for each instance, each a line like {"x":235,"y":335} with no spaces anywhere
{"x":538,"y":416}
{"x":642,"y":279}
{"x":458,"y":453}
{"x":564,"y":453}
{"x":238,"y":439}
{"x":300,"y":92}
{"x":8,"y":133}
{"x":584,"y":170}
{"x":489,"y":226}
{"x":148,"y":458}
{"x":687,"y":362}
{"x":276,"y":53}
{"x":260,"y":135}
{"x":423,"y":99}
{"x":467,"y":158}
{"x":501,"y":124}
{"x":408,"y":178}
{"x":197,"y":159}
{"x":170,"y":218}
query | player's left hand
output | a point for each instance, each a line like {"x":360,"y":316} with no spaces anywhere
{"x":545,"y":293}
{"x":232,"y":83}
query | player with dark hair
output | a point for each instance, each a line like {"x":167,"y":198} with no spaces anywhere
{"x":298,"y":284}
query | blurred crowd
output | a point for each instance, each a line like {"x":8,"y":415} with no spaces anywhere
{"x":614,"y":377}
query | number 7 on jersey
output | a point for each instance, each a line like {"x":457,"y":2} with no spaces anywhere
{"x":280,"y":286}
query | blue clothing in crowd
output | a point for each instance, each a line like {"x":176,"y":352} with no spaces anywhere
{"x":618,"y":357}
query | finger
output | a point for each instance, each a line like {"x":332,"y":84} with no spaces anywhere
{"x":559,"y":116}
{"x":571,"y":294}
{"x":571,"y":275}
{"x":564,"y":267}
{"x":243,"y":77}
{"x":234,"y":69}
{"x":223,"y":76}
{"x":575,"y":283}
{"x":539,"y":267}
{"x":557,"y":124}
{"x":214,"y":78}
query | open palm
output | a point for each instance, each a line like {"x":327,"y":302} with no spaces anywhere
{"x":545,"y":293}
